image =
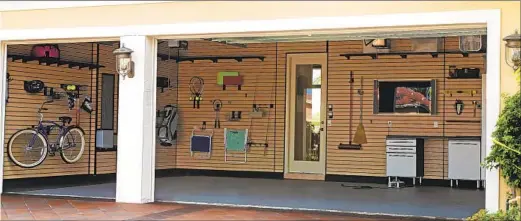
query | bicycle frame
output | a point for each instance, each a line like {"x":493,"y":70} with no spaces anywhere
{"x":44,"y":128}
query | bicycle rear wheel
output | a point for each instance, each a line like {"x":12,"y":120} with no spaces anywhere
{"x":72,"y":144}
{"x":27,"y":148}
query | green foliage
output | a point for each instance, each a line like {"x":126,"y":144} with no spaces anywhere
{"x":506,"y":150}
{"x":511,"y":214}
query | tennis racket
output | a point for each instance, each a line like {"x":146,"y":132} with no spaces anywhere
{"x":196,"y":88}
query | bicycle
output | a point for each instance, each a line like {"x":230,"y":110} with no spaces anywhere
{"x":36,"y":140}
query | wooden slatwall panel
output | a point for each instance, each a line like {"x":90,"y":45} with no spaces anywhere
{"x":166,"y":155}
{"x":106,"y":161}
{"x":259,"y":85}
{"x":371,"y":160}
{"x":22,"y":107}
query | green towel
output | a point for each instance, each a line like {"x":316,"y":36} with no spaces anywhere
{"x":236,"y":140}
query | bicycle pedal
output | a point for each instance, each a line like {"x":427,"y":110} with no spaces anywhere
{"x":52,"y":154}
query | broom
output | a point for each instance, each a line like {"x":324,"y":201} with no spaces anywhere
{"x":360,"y":137}
{"x":350,"y":145}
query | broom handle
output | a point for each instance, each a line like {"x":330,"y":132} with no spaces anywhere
{"x":361,"y":98}
{"x":351,"y":81}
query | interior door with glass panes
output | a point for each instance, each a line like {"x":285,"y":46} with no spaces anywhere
{"x":306,"y":113}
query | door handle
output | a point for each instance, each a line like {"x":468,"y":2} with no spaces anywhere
{"x":321,"y":129}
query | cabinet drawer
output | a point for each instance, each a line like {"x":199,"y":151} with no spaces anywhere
{"x":401,"y":142}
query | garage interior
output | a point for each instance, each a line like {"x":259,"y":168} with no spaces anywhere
{"x":245,"y":92}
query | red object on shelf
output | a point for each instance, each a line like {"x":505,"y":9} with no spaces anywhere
{"x":232,"y":80}
{"x":46,"y":51}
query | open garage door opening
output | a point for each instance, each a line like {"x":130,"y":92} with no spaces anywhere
{"x":343,"y":121}
{"x":327,"y":121}
{"x":61,"y":120}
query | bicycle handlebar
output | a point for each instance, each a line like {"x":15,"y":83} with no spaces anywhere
{"x":43,"y":104}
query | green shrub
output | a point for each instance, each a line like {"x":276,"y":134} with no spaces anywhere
{"x":506,"y":151}
{"x":512,"y":214}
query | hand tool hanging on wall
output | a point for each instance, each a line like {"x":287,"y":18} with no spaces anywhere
{"x":8,"y":79}
{"x":196,"y":88}
{"x":475,"y":104}
{"x":257,"y":112}
{"x":350,"y":145}
{"x":360,"y":137}
{"x":217,"y":106}
{"x":451,"y":92}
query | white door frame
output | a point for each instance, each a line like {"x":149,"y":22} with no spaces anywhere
{"x":492,"y":18}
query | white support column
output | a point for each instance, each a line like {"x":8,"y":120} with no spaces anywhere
{"x":136,"y":124}
{"x":492,"y":105}
{"x":3,"y":82}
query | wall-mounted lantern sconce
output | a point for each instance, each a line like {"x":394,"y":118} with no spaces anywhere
{"x":513,"y":50}
{"x":124,"y":64}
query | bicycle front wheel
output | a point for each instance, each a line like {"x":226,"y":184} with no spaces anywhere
{"x":27,"y":148}
{"x":72,"y":144}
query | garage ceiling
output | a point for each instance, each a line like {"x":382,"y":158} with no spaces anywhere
{"x":357,"y":35}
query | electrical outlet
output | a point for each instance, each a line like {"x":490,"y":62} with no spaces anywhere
{"x":329,"y":123}
{"x":389,"y":123}
{"x":435,"y":124}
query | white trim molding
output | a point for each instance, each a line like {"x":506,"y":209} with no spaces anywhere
{"x":491,"y":18}
{"x":248,"y":26}
{"x":3,"y":82}
{"x":35,"y":5}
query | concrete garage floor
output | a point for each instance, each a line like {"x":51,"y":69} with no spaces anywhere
{"x":426,"y":201}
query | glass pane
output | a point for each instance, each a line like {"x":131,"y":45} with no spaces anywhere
{"x":307,"y":112}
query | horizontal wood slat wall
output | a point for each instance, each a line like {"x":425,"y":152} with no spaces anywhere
{"x":105,"y":162}
{"x":260,"y":85}
{"x":166,"y":155}
{"x":22,"y":107}
{"x":371,"y":160}
{"x":264,"y":82}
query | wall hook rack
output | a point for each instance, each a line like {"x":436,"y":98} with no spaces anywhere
{"x":214,"y":59}
{"x":58,"y":62}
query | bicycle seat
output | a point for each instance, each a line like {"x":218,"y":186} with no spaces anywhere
{"x":65,"y":119}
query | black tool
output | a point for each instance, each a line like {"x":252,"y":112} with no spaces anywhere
{"x":196,"y":88}
{"x":235,"y":116}
{"x":9,"y":79}
{"x":217,"y":106}
{"x":162,"y":83}
{"x":465,"y":73}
